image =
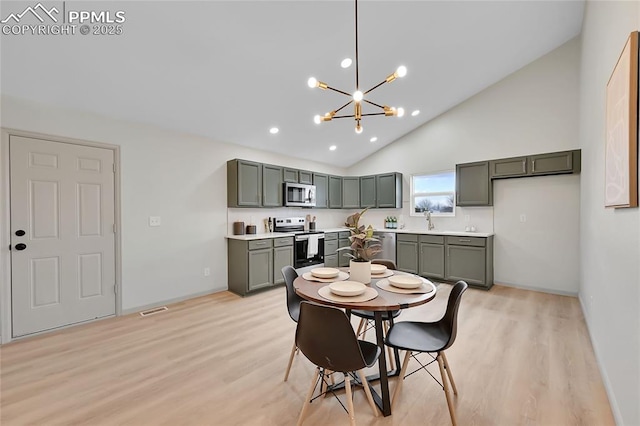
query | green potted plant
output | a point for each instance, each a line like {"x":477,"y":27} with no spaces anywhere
{"x":364,"y":246}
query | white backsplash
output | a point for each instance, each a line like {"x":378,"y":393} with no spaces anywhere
{"x":479,"y":217}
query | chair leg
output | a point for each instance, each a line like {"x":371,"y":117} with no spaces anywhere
{"x":347,"y":388}
{"x":403,"y":371}
{"x":307,"y":401}
{"x":323,"y":387}
{"x":294,"y":349}
{"x":367,"y":391}
{"x":452,"y":411}
{"x":446,"y":365}
{"x":390,"y":357}
{"x":363,"y":323}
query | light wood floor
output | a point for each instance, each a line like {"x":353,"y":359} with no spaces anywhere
{"x":521,"y":357}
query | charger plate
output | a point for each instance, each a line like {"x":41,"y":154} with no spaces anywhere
{"x":385,"y":274}
{"x":341,"y":277}
{"x":426,"y":287}
{"x":369,"y":294}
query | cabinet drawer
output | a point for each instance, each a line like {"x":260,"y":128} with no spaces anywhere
{"x":343,"y":235}
{"x":432,"y":239}
{"x":260,"y":244}
{"x":331,"y":236}
{"x":407,"y":237}
{"x":467,"y":241}
{"x":283,"y":241}
{"x":330,"y":247}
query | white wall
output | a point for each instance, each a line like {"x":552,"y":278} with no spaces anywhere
{"x":180,"y":177}
{"x":532,"y":111}
{"x":610,"y":246}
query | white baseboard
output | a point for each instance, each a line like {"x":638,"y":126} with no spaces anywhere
{"x":170,"y":301}
{"x":540,"y":289}
{"x":617,"y":416}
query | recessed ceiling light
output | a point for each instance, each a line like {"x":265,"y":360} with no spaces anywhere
{"x":346,"y":63}
{"x":332,"y":148}
{"x":373,"y":139}
{"x":274,"y":130}
{"x":416,"y":112}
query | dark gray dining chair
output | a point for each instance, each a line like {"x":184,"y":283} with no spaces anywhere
{"x":293,"y":307}
{"x":431,"y":337}
{"x":325,"y":336}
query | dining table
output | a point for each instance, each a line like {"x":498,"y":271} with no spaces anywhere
{"x":385,"y":301}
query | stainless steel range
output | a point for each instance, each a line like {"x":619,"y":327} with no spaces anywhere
{"x":309,"y":245}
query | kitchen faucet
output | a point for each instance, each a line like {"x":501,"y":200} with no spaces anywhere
{"x":430,"y":224}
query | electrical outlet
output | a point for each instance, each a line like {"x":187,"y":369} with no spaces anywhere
{"x":207,"y":272}
{"x":523,"y":218}
{"x":154,"y":221}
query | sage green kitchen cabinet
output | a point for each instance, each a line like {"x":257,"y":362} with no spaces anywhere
{"x":322,"y":190}
{"x":290,"y":175}
{"x":431,"y":261}
{"x":271,"y":186}
{"x":389,"y":190}
{"x":244,"y":183}
{"x":343,"y":241}
{"x":473,"y":186}
{"x":282,"y":256}
{"x":350,"y":192}
{"x":335,"y":192}
{"x":470,"y":259}
{"x":407,"y":253}
{"x":256,"y":264}
{"x":367,"y":191}
{"x":305,"y":177}
{"x":555,"y":163}
{"x":508,"y":167}
{"x":331,"y":257}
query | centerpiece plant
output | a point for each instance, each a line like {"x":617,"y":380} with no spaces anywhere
{"x":364,"y":246}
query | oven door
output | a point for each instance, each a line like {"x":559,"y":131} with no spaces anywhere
{"x":302,"y":256}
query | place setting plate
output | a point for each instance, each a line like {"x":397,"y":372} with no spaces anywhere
{"x":347,"y":291}
{"x":325,"y":275}
{"x":406,"y":284}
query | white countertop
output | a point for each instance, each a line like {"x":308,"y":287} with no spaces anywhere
{"x":249,"y":237}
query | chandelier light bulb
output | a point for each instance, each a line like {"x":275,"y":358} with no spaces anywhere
{"x":401,"y":71}
{"x":317,"y":119}
{"x":400,"y":112}
{"x":358,"y":128}
{"x":312,"y":82}
{"x":358,"y":95}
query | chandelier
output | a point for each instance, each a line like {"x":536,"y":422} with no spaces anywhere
{"x":358,"y":97}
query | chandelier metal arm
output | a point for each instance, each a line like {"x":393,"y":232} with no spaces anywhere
{"x":373,"y":103}
{"x":339,"y":91}
{"x":357,"y":68}
{"x":343,"y":106}
{"x":376,"y":86}
{"x":363,"y":115}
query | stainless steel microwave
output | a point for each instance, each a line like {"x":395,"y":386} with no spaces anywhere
{"x":299,"y":195}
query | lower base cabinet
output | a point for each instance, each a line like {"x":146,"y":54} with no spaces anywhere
{"x":343,"y":241}
{"x":256,"y":264}
{"x":448,"y":258}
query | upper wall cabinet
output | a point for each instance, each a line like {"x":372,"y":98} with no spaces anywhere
{"x":305,"y":177}
{"x":322,"y":190}
{"x":535,"y":165}
{"x":389,"y":190}
{"x":335,"y":192}
{"x":271,"y":186}
{"x":244,"y":183}
{"x":350,"y":192}
{"x":473,"y":186}
{"x":367,"y":191}
{"x":290,"y":175}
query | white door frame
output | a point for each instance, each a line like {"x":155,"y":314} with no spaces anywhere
{"x":5,"y":225}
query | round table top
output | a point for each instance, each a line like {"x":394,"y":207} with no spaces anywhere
{"x":386,"y":300}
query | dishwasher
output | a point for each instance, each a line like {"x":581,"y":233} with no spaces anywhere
{"x":388,"y":243}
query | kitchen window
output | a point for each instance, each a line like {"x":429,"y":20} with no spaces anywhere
{"x":434,"y":192}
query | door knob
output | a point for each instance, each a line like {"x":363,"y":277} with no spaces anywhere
{"x":21,"y":246}
{"x":20,"y":232}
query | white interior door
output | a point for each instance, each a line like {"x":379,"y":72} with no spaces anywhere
{"x":62,"y":234}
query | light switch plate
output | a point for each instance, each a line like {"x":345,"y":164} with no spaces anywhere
{"x":154,"y":221}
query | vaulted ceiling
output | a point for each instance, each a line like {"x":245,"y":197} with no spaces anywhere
{"x":231,"y":70}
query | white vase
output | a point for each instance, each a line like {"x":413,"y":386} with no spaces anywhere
{"x":360,"y":271}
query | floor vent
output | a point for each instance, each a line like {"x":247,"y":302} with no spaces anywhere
{"x":153,"y":311}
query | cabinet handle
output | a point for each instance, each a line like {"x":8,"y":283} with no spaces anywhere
{"x":464,"y":241}
{"x":533,"y":166}
{"x":524,"y":165}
